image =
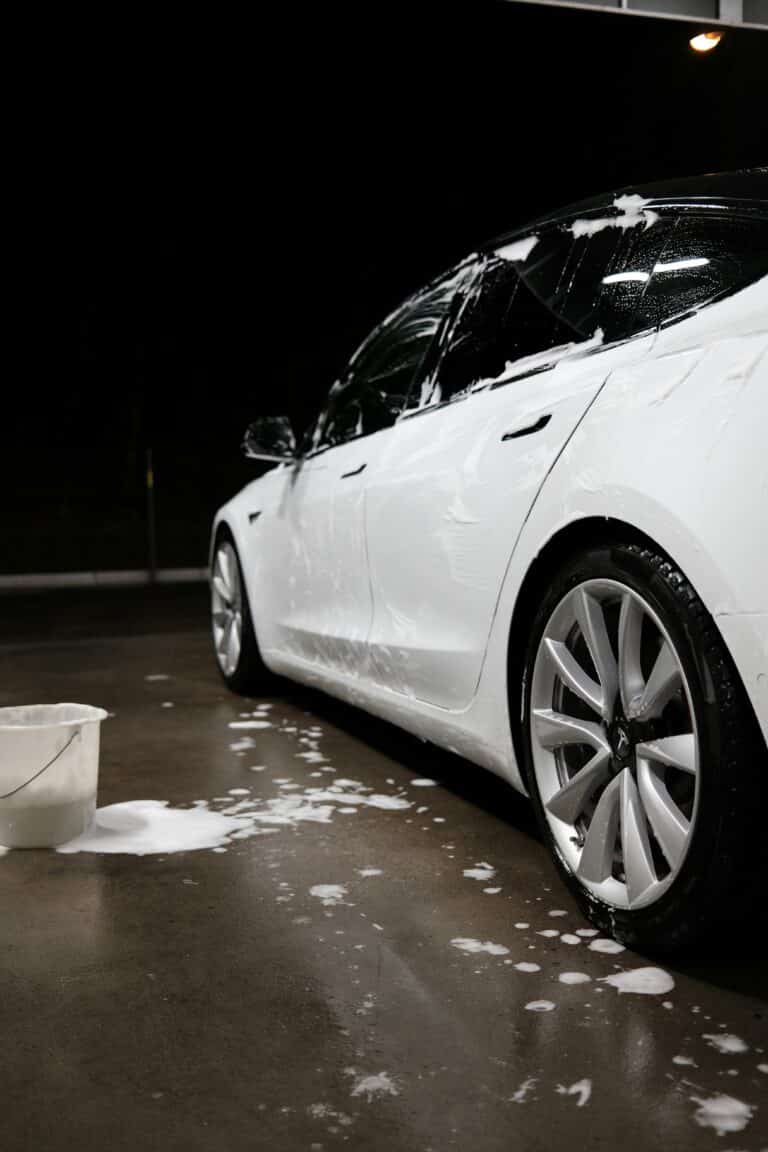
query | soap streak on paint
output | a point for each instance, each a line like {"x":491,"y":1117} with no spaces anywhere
{"x":539,"y":1006}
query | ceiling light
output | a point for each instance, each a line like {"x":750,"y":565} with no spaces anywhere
{"x":705,"y":41}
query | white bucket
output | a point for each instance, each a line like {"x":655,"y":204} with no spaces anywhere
{"x":49,"y":770}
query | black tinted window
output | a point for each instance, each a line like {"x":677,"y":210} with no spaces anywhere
{"x":704,"y":257}
{"x":508,"y":316}
{"x":382,"y":372}
{"x":606,"y":276}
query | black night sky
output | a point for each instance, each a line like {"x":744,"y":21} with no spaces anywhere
{"x":248,"y":199}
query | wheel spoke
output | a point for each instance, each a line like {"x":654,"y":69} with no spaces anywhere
{"x":631,"y":681}
{"x":233,"y":644}
{"x":554,"y":730}
{"x":639,"y":873}
{"x":597,"y":854}
{"x":591,"y":621}
{"x":667,"y":821}
{"x":569,"y":802}
{"x":222,"y":560}
{"x":665,"y":679}
{"x":574,"y":676}
{"x":673,"y":751}
{"x":221,"y":589}
{"x":224,"y":641}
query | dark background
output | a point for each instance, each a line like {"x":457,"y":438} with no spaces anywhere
{"x":246,"y":198}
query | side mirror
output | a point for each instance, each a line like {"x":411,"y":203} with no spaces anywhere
{"x":270,"y":438}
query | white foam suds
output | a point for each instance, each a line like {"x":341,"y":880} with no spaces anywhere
{"x":539,"y":1006}
{"x":686,"y":1060}
{"x":548,"y":932}
{"x":423,"y":782}
{"x":387,"y":803}
{"x":574,"y":978}
{"x":370,"y":872}
{"x":518,"y":250}
{"x":491,"y":891}
{"x":373,"y":1086}
{"x":243,"y":745}
{"x":569,"y":938}
{"x":239,"y":791}
{"x":420,"y":811}
{"x":522,"y":924}
{"x":723,"y":1113}
{"x":167,"y":704}
{"x":481,"y":871}
{"x":157,"y":676}
{"x":763,"y":1068}
{"x":143,"y":827}
{"x":249,"y":724}
{"x":557,"y":912}
{"x":586,"y":931}
{"x":582,"y":1089}
{"x":329,"y":894}
{"x":257,"y":768}
{"x":724,"y":1042}
{"x":642,"y":981}
{"x":466,"y":944}
{"x":525,"y":966}
{"x":608,"y":947}
{"x":519,"y":1096}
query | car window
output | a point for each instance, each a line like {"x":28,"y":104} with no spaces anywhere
{"x":508,"y":317}
{"x":605,"y":278}
{"x":374,"y":390}
{"x":704,"y":257}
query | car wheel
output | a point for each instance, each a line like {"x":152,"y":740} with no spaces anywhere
{"x":639,"y":746}
{"x":234,"y":639}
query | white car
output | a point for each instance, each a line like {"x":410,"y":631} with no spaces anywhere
{"x":531,"y":526}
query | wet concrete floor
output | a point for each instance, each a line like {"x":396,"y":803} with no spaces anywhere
{"x":209,"y":1000}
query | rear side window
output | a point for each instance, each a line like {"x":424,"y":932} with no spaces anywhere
{"x":508,"y":317}
{"x":704,"y":258}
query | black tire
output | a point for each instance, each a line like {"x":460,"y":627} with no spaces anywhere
{"x":250,"y":677}
{"x":716,"y":880}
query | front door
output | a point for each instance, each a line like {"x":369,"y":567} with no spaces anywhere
{"x":537,"y":339}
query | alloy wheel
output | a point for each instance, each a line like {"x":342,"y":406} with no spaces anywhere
{"x":614,"y":743}
{"x":226,"y":608}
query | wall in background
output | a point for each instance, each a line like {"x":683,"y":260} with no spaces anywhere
{"x":244,"y":207}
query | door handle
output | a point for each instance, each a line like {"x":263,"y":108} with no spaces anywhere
{"x":529,"y":429}
{"x":354,"y":472}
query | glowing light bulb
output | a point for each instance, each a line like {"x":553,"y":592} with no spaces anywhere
{"x":705,"y":41}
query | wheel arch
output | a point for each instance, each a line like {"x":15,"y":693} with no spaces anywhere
{"x":583,"y":533}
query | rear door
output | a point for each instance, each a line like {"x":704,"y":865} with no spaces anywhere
{"x":535,"y":342}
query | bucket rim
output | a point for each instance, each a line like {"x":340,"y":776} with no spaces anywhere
{"x":90,"y":714}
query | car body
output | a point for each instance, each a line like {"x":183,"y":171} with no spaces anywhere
{"x":397,"y":560}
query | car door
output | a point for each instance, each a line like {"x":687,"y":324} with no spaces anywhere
{"x":323,"y":607}
{"x":535,"y":342}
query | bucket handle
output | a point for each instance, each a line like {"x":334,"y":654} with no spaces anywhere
{"x":45,"y":767}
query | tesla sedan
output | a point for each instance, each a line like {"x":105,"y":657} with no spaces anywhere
{"x":530,"y":525}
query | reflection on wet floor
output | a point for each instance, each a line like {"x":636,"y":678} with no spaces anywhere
{"x":296,"y":927}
